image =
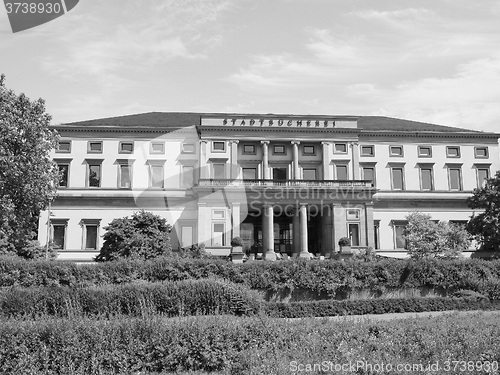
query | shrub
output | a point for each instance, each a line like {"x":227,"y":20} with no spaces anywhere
{"x":143,"y":236}
{"x":345,"y":241}
{"x":236,"y":241}
{"x":195,"y":251}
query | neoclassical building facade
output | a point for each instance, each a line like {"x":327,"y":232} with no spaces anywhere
{"x":283,"y":183}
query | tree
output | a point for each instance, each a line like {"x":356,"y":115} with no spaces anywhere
{"x":28,"y":176}
{"x":428,"y":239}
{"x":485,"y":226}
{"x":143,"y":236}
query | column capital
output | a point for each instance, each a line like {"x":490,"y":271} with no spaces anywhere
{"x":325,"y":143}
{"x":295,"y":142}
{"x":203,"y":141}
{"x":265,"y":142}
{"x":236,"y":141}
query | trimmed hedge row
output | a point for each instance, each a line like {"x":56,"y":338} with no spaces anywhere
{"x":243,"y":346}
{"x":182,"y":298}
{"x":375,"y":306}
{"x":327,"y":278}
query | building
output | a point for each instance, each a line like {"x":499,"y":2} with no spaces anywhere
{"x":283,"y":183}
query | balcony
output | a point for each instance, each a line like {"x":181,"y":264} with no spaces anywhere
{"x":319,"y":184}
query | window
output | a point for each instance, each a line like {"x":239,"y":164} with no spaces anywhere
{"x":396,"y":150}
{"x":94,"y":174}
{"x":63,"y":147}
{"x":279,"y":149}
{"x":126,"y":147}
{"x":397,"y":178}
{"x":218,"y":214}
{"x":218,"y":171}
{"x":58,"y":234}
{"x":369,"y":174}
{"x":249,"y":173}
{"x":249,"y":149}
{"x":125,"y":177}
{"x":218,"y":235}
{"x":482,"y":175}
{"x":399,"y":240}
{"x":157,"y":148}
{"x":308,"y":150}
{"x":354,"y":233}
{"x":340,"y":148}
{"x":156,"y":180}
{"x":341,"y":172}
{"x":218,"y":146}
{"x":424,"y":151}
{"x":94,"y":147}
{"x":481,"y":152}
{"x":453,"y":151}
{"x":190,"y":148}
{"x":455,"y":178}
{"x":309,"y":174}
{"x":90,"y":233}
{"x":187,"y":176}
{"x":279,"y":174}
{"x":368,"y":150}
{"x":352,"y":214}
{"x":426,"y":180}
{"x":63,"y":175}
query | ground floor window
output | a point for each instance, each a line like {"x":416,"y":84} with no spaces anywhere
{"x":399,"y":240}
{"x":354,"y":233}
{"x":218,"y":234}
{"x":90,"y":233}
{"x":58,"y":233}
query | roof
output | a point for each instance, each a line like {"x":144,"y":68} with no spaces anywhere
{"x":175,"y":120}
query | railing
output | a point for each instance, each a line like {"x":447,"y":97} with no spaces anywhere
{"x":206,"y":182}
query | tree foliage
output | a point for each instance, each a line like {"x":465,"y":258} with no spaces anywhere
{"x":143,"y":236}
{"x":428,"y":239}
{"x":28,"y":176}
{"x":485,"y":226}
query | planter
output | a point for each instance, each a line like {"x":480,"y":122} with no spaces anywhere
{"x":237,"y":254}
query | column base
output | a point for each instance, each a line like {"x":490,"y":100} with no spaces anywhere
{"x":270,"y":255}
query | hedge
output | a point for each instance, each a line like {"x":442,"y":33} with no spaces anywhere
{"x":243,"y":345}
{"x":375,"y":306}
{"x":188,"y":297}
{"x":330,"y":279}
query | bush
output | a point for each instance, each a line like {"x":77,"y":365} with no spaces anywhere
{"x":143,"y":236}
{"x":345,"y":241}
{"x":189,"y":297}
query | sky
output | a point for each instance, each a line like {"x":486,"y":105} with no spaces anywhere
{"x":434,"y":61}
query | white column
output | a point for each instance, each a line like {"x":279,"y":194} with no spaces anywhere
{"x":296,"y":232}
{"x":203,"y":159}
{"x":304,"y":252}
{"x":327,"y":226}
{"x":265,"y":159}
{"x":268,"y":233}
{"x":235,"y":213}
{"x":355,"y":160}
{"x":295,"y":153}
{"x":370,"y":225}
{"x":327,"y":175}
{"x":234,"y":167}
{"x":339,"y":223}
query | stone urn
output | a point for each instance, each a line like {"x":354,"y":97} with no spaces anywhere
{"x":237,"y":253}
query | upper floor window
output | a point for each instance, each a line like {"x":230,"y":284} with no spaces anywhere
{"x":424,"y":151}
{"x":249,"y":173}
{"x":218,"y":170}
{"x":483,"y":173}
{"x":125,"y":176}
{"x":481,"y":152}
{"x":63,"y":147}
{"x":94,"y":172}
{"x":249,"y":149}
{"x":396,"y":150}
{"x":156,"y":174}
{"x":279,"y":149}
{"x":426,"y":179}
{"x":369,"y":174}
{"x":187,"y":176}
{"x":397,"y":178}
{"x":368,"y":150}
{"x":455,"y":178}
{"x":63,"y":174}
{"x":126,"y":147}
{"x":340,"y":148}
{"x":309,"y":173}
{"x":453,"y":151}
{"x":308,"y":150}
{"x":190,"y":148}
{"x":341,"y":172}
{"x":94,"y":147}
{"x":218,"y":146}
{"x":157,"y":148}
